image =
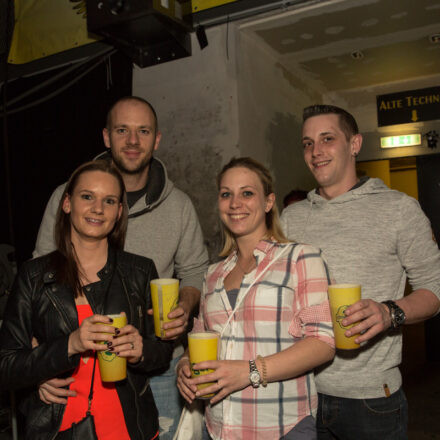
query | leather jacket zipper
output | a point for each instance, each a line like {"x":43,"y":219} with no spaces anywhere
{"x":128,"y":375}
{"x":54,"y":303}
{"x":137,"y":406}
{"x":140,"y":315}
{"x":132,"y":311}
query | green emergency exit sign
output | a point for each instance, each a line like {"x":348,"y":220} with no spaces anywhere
{"x":406,"y":140}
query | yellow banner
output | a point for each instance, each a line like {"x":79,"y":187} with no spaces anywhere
{"x":200,"y":5}
{"x":46,"y":27}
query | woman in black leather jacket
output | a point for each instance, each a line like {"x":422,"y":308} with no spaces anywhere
{"x":89,"y":268}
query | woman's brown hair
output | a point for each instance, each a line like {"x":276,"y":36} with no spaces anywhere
{"x":272,"y":217}
{"x":66,"y":265}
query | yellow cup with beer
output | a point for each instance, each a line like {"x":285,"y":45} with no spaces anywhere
{"x":202,"y":346}
{"x":111,"y":366}
{"x":341,"y":296}
{"x":165,"y":298}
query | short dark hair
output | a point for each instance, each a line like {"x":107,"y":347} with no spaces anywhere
{"x":296,"y":195}
{"x":135,"y":99}
{"x":65,"y":261}
{"x":346,"y":121}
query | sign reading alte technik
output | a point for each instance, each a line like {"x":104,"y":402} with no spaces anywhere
{"x":407,"y":107}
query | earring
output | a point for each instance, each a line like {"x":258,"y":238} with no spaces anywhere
{"x":355,"y":153}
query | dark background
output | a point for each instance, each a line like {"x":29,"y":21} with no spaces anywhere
{"x":42,"y":145}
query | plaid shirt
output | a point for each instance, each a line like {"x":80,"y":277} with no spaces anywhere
{"x":288,"y":303}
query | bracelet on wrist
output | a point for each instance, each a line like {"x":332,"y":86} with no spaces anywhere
{"x":263,"y":367}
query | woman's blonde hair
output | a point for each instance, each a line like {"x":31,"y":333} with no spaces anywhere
{"x":273,"y":225}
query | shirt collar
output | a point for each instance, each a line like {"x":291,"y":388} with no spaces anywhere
{"x":260,"y":251}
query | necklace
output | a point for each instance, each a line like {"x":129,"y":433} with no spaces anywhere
{"x":249,"y":267}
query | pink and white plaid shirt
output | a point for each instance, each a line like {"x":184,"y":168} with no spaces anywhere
{"x":288,"y":303}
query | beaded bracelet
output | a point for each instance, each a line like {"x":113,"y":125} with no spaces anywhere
{"x":263,"y":365}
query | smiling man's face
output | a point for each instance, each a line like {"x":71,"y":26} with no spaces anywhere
{"x":132,"y":136}
{"x":329,"y":155}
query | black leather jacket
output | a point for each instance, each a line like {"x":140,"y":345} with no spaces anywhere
{"x":39,"y":306}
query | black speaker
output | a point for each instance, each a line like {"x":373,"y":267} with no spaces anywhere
{"x":148,"y":31}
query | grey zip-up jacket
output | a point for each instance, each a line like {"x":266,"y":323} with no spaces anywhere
{"x":376,"y":237}
{"x":162,"y":225}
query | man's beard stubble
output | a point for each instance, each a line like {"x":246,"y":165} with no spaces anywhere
{"x":138,"y":170}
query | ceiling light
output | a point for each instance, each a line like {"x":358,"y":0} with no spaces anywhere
{"x":357,"y":55}
{"x":434,"y":38}
{"x":405,"y":140}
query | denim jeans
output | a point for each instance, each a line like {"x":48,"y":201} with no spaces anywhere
{"x":168,"y":401}
{"x":384,"y":418}
{"x":304,"y":430}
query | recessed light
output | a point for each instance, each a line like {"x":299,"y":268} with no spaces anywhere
{"x":434,"y":38}
{"x":357,"y":55}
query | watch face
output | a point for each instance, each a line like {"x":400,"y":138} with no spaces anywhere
{"x":254,"y":377}
{"x":399,"y":315}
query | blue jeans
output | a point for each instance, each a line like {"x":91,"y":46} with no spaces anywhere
{"x":304,"y":430}
{"x":384,"y":418}
{"x":168,"y":401}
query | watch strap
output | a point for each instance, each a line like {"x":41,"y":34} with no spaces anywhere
{"x":397,"y":315}
{"x":254,"y":374}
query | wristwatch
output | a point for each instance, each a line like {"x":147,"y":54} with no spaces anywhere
{"x":254,"y":374}
{"x":396,"y":313}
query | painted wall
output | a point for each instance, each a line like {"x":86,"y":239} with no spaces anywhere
{"x":271,"y":100}
{"x":362,"y":104}
{"x":196,"y":102}
{"x":375,"y":168}
{"x":231,"y":99}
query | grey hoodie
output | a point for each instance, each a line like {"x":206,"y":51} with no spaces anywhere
{"x":376,"y":237}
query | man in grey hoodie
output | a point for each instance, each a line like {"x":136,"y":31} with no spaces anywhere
{"x":162,"y":225}
{"x":376,"y":237}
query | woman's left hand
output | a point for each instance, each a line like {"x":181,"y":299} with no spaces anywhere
{"x":229,"y":376}
{"x":128,"y":343}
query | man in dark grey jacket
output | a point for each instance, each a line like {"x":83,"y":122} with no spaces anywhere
{"x":376,"y":237}
{"x":162,"y":225}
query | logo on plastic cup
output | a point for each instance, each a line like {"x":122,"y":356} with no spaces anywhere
{"x":107,"y":356}
{"x":340,"y":315}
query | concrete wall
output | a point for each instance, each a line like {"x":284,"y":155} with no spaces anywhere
{"x":270,"y":101}
{"x":196,"y":102}
{"x":362,"y":104}
{"x":231,"y":99}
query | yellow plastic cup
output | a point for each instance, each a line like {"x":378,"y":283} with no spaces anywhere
{"x":111,"y":366}
{"x":202,"y":346}
{"x":165,"y":298}
{"x":341,"y":296}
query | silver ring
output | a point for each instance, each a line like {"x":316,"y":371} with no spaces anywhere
{"x":132,"y":345}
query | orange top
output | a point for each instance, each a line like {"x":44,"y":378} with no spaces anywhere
{"x":106,"y":407}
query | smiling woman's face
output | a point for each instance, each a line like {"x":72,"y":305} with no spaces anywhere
{"x":94,"y":206}
{"x":242,"y":203}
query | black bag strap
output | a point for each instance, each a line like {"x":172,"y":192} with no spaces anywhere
{"x":90,"y":398}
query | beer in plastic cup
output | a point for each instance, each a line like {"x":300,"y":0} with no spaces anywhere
{"x":341,"y":296}
{"x":165,"y":298}
{"x":202,"y":347}
{"x":111,"y":366}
